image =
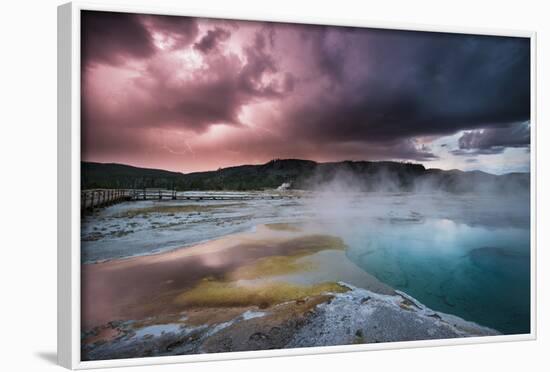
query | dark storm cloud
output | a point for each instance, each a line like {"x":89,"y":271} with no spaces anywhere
{"x":253,"y":91}
{"x":384,"y":85}
{"x":407,"y":149}
{"x":113,"y":38}
{"x":109,"y":37}
{"x":259,"y":62}
{"x":517,"y":135}
{"x":182,"y":30}
{"x":211,"y":39}
{"x":494,"y":140}
{"x":215,"y":94}
{"x":329,"y":50}
{"x":227,"y":86}
{"x":201,"y":104}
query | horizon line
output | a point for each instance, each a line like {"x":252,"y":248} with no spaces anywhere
{"x":313,"y":161}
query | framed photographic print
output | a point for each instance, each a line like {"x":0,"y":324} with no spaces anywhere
{"x":235,"y":186}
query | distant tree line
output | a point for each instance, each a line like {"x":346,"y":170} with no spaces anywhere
{"x":302,"y":174}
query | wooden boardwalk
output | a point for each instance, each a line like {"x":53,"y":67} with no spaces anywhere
{"x":99,"y":198}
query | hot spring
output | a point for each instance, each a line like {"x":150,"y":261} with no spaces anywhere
{"x":467,"y":255}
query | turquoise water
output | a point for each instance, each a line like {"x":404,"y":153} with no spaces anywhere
{"x":479,"y":273}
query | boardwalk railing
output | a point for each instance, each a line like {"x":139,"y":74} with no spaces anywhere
{"x":182,"y":195}
{"x":98,"y":198}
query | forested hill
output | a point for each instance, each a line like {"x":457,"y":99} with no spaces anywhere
{"x":304,"y":174}
{"x":112,"y":175}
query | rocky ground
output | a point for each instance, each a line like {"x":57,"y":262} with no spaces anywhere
{"x":351,"y":317}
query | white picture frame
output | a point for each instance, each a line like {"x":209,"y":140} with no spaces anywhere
{"x":69,"y":263}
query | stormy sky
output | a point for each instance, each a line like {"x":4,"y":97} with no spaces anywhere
{"x":192,"y":94}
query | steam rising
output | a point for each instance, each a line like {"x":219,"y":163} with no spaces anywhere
{"x":346,"y":201}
